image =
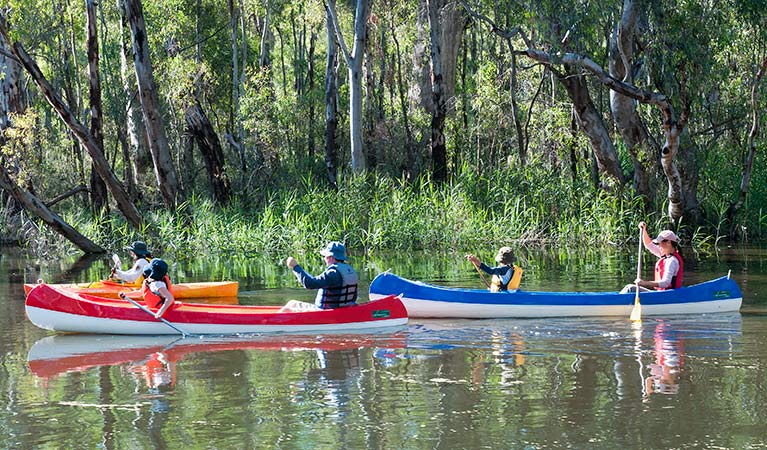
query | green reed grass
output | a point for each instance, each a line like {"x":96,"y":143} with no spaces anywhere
{"x":372,"y":213}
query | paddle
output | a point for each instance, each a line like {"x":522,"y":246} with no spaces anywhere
{"x":481,"y":274}
{"x":636,"y":312}
{"x":144,"y":308}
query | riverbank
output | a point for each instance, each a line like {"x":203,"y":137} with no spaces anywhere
{"x":380,"y":213}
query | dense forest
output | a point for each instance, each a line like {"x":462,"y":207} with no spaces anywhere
{"x":266,"y":125}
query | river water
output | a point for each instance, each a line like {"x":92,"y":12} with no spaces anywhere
{"x":672,"y":382}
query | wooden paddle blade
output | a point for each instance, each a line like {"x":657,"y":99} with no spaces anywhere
{"x":636,"y":313}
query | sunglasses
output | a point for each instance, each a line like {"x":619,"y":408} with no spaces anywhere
{"x":665,"y":240}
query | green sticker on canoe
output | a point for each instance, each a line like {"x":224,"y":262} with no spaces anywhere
{"x":721,"y":294}
{"x":381,"y":313}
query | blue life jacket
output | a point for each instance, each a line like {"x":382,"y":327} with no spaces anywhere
{"x":340,"y":296}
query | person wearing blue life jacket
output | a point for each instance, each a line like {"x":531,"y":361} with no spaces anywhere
{"x":337,"y":284}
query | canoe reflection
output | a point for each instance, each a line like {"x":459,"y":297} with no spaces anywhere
{"x":154,"y":357}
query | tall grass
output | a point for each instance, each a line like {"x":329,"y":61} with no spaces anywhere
{"x":373,"y":213}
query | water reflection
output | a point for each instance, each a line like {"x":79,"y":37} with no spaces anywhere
{"x":155,"y":357}
{"x":666,"y":368}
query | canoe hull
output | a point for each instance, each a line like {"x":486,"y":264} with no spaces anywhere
{"x":60,"y":310}
{"x":429,"y":301}
{"x":109,"y":289}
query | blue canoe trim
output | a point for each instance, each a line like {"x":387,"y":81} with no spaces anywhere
{"x":718,"y":289}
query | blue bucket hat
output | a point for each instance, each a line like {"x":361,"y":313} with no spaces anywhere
{"x":156,"y":270}
{"x":334,"y":249}
{"x":139,"y":248}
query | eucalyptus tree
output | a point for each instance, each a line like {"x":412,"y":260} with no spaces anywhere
{"x":354,"y":61}
{"x":165,"y":172}
{"x":753,"y":20}
{"x":98,"y":187}
{"x":672,"y":68}
{"x":82,"y":134}
{"x":331,"y":103}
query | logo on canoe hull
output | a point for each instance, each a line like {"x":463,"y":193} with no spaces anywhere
{"x":721,"y":294}
{"x":381,"y":314}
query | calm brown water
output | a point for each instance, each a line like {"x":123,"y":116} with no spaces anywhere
{"x":674,"y":382}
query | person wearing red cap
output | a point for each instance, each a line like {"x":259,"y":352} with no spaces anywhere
{"x":670,"y":268}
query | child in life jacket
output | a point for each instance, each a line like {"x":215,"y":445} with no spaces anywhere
{"x":506,"y":276}
{"x":156,"y":287}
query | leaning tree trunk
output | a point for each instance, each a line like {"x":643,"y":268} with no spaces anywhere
{"x":98,"y":187}
{"x":150,"y":106}
{"x":591,"y":123}
{"x":38,"y":208}
{"x":200,"y":127}
{"x":81,"y":133}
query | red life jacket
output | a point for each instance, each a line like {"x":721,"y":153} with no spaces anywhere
{"x":153,"y":300}
{"x":660,"y":269}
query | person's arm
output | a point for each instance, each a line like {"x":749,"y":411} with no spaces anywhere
{"x":328,"y":278}
{"x":647,"y":241}
{"x":162,"y":291}
{"x":500,"y":270}
{"x":136,"y":271}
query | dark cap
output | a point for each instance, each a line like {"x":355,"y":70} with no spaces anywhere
{"x":139,"y":248}
{"x":156,"y":270}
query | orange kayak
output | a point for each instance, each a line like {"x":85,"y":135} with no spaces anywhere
{"x":112,"y":289}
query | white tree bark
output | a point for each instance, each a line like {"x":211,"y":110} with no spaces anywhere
{"x":354,"y":62}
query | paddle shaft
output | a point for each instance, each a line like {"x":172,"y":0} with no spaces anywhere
{"x":481,"y":274}
{"x":639,"y":259}
{"x":144,"y":308}
{"x":636,"y":312}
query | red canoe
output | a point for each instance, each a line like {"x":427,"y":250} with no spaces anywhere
{"x":58,"y":309}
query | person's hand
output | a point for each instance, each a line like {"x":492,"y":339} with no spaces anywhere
{"x":474,"y":260}
{"x":157,"y":315}
{"x":642,"y":226}
{"x":113,"y":274}
{"x":122,"y":295}
{"x":291,"y":262}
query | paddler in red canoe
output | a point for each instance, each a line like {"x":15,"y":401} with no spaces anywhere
{"x":156,"y":287}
